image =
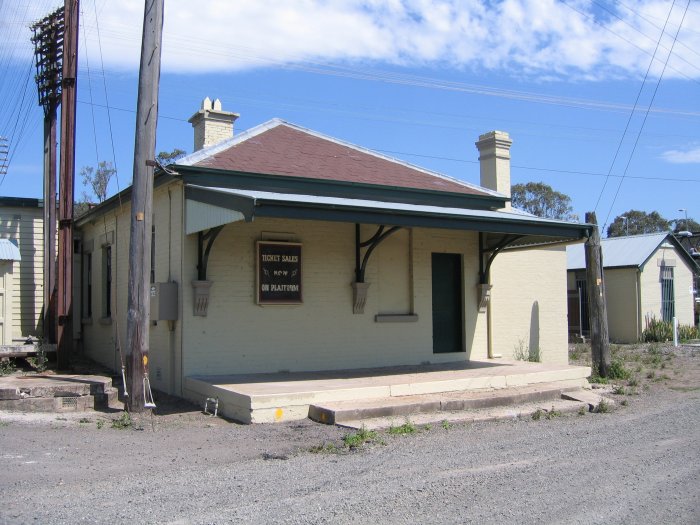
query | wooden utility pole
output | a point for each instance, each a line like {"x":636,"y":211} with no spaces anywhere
{"x":138,"y":315}
{"x":597,"y":309}
{"x":48,"y":50}
{"x":49,"y":318}
{"x":66,"y":179}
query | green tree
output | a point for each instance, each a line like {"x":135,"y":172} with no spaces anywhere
{"x":96,"y":180}
{"x":542,"y":200}
{"x":638,"y":222}
{"x":690,"y":225}
{"x":170,"y":157}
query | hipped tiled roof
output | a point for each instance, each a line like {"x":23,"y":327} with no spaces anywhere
{"x":280,"y":148}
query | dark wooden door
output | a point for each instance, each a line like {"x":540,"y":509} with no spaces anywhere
{"x":447,"y":303}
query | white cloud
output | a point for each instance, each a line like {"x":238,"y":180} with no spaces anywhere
{"x":689,"y":156}
{"x":535,"y":38}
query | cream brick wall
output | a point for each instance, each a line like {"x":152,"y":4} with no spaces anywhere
{"x":624,"y":320}
{"x":528,"y":303}
{"x":25,"y":225}
{"x":101,"y":336}
{"x":239,"y":336}
{"x":651,"y":287}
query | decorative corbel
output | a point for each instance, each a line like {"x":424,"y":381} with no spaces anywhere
{"x":360,"y":287}
{"x":201,"y":286}
{"x":484,"y":296}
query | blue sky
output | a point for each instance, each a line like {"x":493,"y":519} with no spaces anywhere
{"x":415,"y":79}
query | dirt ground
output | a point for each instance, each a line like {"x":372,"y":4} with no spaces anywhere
{"x":182,"y":466}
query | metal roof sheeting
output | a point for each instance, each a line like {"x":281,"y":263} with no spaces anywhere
{"x":530,"y":229}
{"x":618,"y":251}
{"x":8,"y":251}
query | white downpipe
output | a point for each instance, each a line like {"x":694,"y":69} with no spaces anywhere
{"x":675,"y":331}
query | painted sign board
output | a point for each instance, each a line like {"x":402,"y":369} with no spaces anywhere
{"x":278,"y":273}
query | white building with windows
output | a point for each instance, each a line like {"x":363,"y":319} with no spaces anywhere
{"x":646,"y":276}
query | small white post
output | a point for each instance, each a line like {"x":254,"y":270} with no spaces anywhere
{"x":675,"y":331}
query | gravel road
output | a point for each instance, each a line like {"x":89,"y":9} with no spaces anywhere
{"x":638,"y":464}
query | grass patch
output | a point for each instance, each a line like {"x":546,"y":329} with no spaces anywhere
{"x":122,"y":422}
{"x":617,"y":370}
{"x":523,"y":352}
{"x":624,"y":402}
{"x":552,"y":414}
{"x":428,"y":427}
{"x":583,"y":410}
{"x":325,"y":448}
{"x":100,"y":424}
{"x":446,"y":425}
{"x":598,"y":379}
{"x":633,"y":381}
{"x":603,"y":407}
{"x":83,"y":420}
{"x":537,"y":414}
{"x":7,"y":367}
{"x":407,"y":428}
{"x":359,"y":438}
{"x":619,"y":390}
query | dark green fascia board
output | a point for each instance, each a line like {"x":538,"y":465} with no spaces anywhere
{"x":682,"y":252}
{"x":115,"y":201}
{"x":309,"y":211}
{"x":21,"y":202}
{"x":330,"y":188}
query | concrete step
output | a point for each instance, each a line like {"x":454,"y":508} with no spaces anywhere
{"x":57,"y":393}
{"x":340,"y":412}
{"x":547,"y":410}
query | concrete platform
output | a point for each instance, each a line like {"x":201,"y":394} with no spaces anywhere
{"x":265,"y":398}
{"x":56,"y":393}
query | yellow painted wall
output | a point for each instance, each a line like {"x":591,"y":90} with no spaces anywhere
{"x":528,"y":303}
{"x":651,"y":286}
{"x":624,"y":325}
{"x":25,"y":225}
{"x":101,"y":336}
{"x":239,"y":336}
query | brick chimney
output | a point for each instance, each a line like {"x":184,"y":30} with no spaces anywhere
{"x":211,"y":125}
{"x":494,"y":161}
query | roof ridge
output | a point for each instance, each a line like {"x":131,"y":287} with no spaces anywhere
{"x":388,"y":158}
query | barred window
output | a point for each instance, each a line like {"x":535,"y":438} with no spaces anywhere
{"x":668,"y":308}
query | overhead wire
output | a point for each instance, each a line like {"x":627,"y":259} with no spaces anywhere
{"x":634,"y":108}
{"x":646,"y":114}
{"x":595,"y":21}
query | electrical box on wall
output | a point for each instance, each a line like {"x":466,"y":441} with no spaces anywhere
{"x":163,"y":301}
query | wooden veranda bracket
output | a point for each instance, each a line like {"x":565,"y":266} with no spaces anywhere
{"x":202,"y":286}
{"x":484,"y":291}
{"x":360,"y":287}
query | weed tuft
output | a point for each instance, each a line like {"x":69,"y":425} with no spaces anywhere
{"x":619,"y":390}
{"x":603,"y":407}
{"x":617,"y":370}
{"x":7,"y":366}
{"x":359,"y":438}
{"x":583,"y":410}
{"x":325,"y":448}
{"x":553,"y":414}
{"x":523,"y":352}
{"x":537,"y":414}
{"x":446,"y":425}
{"x":407,"y":428}
{"x":123,"y":421}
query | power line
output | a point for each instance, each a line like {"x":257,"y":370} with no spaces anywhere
{"x":658,"y":83}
